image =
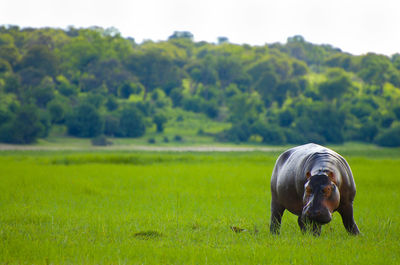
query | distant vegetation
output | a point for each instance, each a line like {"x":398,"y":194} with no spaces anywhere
{"x":95,"y":82}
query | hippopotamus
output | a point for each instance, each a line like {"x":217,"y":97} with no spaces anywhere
{"x":312,"y":182}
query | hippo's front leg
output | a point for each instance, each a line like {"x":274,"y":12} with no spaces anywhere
{"x":346,"y":211}
{"x":302,"y":224}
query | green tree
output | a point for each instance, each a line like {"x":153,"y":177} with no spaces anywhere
{"x":84,"y":121}
{"x":111,"y":126}
{"x":378,"y":69}
{"x":44,"y":92}
{"x":41,"y":58}
{"x":229,"y":69}
{"x":389,"y":138}
{"x":160,"y":119}
{"x":25,"y":128}
{"x":112,"y":103}
{"x":181,"y":35}
{"x":56,"y":111}
{"x":64,"y":86}
{"x":132,"y":122}
{"x":336,"y":86}
{"x":155,"y":69}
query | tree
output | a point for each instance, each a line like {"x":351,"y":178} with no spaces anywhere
{"x":181,"y":35}
{"x":228,"y":69}
{"x":4,"y":66}
{"x":56,"y":111}
{"x":41,"y":58}
{"x":222,"y":40}
{"x":111,"y":126}
{"x":132,"y":122}
{"x":270,"y":134}
{"x":378,"y":69}
{"x":44,"y":92}
{"x":160,"y":119}
{"x":203,"y":72}
{"x":85,"y":121}
{"x":320,"y":121}
{"x":341,"y":60}
{"x":389,"y":138}
{"x":111,"y":103}
{"x":155,"y":69}
{"x":336,"y":86}
{"x":25,"y":128}
{"x":64,"y":86}
{"x":239,"y":132}
{"x":10,"y":54}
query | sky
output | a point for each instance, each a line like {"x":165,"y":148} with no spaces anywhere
{"x":354,"y":26}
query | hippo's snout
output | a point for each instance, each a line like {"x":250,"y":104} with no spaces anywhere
{"x":322,"y":216}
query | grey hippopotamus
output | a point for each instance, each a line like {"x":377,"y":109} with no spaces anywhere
{"x":312,"y":182}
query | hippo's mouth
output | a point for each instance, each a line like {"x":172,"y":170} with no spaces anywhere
{"x":322,"y":219}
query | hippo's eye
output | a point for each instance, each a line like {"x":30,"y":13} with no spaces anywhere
{"x":327,"y":190}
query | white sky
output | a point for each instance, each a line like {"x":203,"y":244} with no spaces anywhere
{"x":355,"y":26}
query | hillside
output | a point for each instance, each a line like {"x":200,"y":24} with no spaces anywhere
{"x":89,"y":82}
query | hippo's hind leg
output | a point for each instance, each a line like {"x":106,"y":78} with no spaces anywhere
{"x":276,"y":216}
{"x":346,"y":211}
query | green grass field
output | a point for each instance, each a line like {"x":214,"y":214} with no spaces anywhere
{"x":177,"y":208}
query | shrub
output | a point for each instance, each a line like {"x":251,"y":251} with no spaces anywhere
{"x":24,"y":128}
{"x":85,"y":121}
{"x":56,"y":111}
{"x":101,"y":140}
{"x":111,"y":126}
{"x":237,"y":133}
{"x":389,"y":138}
{"x":132,"y":122}
{"x":178,"y":138}
{"x":160,"y":119}
{"x":270,"y":134}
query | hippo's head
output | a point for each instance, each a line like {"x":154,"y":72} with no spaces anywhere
{"x":321,"y":198}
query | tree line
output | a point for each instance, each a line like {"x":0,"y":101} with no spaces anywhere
{"x":94,"y":82}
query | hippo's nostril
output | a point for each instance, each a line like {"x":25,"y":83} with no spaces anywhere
{"x":313,"y":213}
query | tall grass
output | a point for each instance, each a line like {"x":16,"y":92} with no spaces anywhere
{"x":153,"y":208}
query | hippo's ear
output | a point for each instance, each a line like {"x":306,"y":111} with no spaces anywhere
{"x":308,"y":175}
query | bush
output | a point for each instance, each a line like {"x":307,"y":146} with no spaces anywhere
{"x":160,"y":119}
{"x":210,"y":109}
{"x":151,"y":141}
{"x":270,"y":134}
{"x":85,"y":121}
{"x":56,"y":111}
{"x":389,"y":138}
{"x":101,"y":140}
{"x":24,"y":128}
{"x":237,"y":133}
{"x":178,"y":138}
{"x":132,"y":122}
{"x":112,"y":103}
{"x":111,"y":126}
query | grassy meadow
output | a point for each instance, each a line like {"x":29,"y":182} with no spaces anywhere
{"x":114,"y":207}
